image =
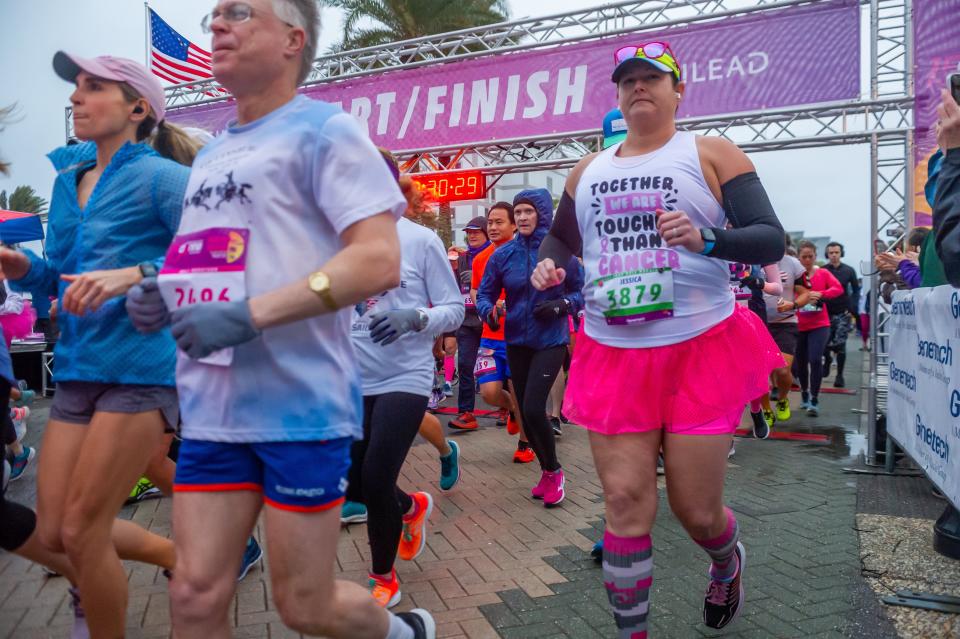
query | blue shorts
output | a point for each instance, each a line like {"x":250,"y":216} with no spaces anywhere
{"x":499,"y":348}
{"x":297,"y":476}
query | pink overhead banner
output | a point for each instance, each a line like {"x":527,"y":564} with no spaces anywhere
{"x":936,"y":29}
{"x":795,"y":56}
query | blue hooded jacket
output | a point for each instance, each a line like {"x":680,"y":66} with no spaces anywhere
{"x":510,"y":268}
{"x":131,"y":217}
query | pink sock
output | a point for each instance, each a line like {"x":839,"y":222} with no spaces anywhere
{"x":449,"y":365}
{"x":754,"y":405}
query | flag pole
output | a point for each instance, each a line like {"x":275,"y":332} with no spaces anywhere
{"x":146,"y":29}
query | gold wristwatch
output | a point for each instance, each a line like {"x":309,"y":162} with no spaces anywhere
{"x":320,"y":284}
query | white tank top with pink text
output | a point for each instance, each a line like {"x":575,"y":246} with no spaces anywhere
{"x":638,"y":292}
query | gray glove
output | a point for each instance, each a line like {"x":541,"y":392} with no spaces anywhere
{"x":146,"y":307}
{"x":205,"y":328}
{"x":387,"y":327}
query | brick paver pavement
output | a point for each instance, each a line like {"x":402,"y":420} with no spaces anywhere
{"x":498,"y":564}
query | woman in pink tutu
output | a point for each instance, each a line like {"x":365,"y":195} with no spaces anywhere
{"x":665,"y":358}
{"x":16,"y":316}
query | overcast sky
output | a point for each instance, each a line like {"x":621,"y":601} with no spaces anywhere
{"x":823,"y":192}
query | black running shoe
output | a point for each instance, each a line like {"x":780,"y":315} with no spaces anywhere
{"x":422,"y":623}
{"x":724,"y":599}
{"x":761,"y":430}
{"x":557,"y":428}
{"x":839,"y":382}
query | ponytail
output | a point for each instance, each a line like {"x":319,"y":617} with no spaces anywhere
{"x":416,"y":203}
{"x":172,"y":142}
{"x":167,"y":139}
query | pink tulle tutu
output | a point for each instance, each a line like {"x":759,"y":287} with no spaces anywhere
{"x":696,"y":387}
{"x":20,"y":325}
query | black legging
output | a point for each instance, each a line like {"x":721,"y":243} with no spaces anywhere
{"x":534,"y":372}
{"x":17,"y":522}
{"x":837,"y":343}
{"x":810,"y":347}
{"x":390,"y":424}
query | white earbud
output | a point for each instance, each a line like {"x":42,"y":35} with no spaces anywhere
{"x":678,"y":95}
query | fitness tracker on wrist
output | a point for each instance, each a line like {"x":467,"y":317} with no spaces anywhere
{"x":709,"y":240}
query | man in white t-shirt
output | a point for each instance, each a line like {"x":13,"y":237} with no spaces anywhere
{"x":289,"y":220}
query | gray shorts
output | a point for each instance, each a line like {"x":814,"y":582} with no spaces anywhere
{"x":76,"y":402}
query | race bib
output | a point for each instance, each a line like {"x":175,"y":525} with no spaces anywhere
{"x":486,"y":364}
{"x":635,"y":297}
{"x":468,"y":302}
{"x":206,"y":266}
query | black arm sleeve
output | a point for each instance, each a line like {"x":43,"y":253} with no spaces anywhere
{"x":946,"y":216}
{"x":563,"y":241}
{"x":756,"y":236}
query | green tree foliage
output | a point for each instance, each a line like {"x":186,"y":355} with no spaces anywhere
{"x":23,"y":199}
{"x":370,"y":23}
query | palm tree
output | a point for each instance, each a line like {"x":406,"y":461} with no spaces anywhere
{"x":374,"y":22}
{"x":23,"y":199}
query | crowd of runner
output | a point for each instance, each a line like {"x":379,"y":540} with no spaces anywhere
{"x":262,"y":296}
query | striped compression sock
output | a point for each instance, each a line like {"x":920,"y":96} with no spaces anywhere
{"x":627,"y":575}
{"x":722,"y":549}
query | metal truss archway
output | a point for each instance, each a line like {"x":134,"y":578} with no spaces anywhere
{"x":884,"y":120}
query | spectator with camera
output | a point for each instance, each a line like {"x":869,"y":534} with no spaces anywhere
{"x":946,"y":200}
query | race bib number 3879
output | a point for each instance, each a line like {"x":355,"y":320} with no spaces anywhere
{"x":635,"y":297}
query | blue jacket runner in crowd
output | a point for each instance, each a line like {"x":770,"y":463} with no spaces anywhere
{"x":510,"y":268}
{"x":131,"y":217}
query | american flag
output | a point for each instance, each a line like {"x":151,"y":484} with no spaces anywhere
{"x":173,"y":57}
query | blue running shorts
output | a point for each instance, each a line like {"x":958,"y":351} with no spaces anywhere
{"x":296,"y":476}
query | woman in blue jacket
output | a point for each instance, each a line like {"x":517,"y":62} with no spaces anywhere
{"x":115,"y":207}
{"x":536,"y":328}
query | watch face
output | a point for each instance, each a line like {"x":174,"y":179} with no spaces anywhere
{"x":319,"y":282}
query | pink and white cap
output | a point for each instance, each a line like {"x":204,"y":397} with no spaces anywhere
{"x":67,"y":66}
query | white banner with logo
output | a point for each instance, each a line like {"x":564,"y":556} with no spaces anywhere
{"x":923,"y":409}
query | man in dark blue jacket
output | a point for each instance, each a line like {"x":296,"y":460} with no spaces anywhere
{"x":536,"y":329}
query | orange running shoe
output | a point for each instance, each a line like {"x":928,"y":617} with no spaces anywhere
{"x":524,"y":456}
{"x":413,"y":539}
{"x":513,"y":426}
{"x":466,"y":421}
{"x":386,"y":593}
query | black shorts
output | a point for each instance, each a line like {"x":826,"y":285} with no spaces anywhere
{"x":785,"y":336}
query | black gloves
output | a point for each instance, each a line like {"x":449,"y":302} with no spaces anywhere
{"x":493,"y":318}
{"x":551,"y":309}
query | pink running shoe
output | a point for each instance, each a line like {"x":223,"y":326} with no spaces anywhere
{"x":538,"y":491}
{"x":553,"y":490}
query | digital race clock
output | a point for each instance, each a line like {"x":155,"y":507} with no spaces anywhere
{"x":452,"y":187}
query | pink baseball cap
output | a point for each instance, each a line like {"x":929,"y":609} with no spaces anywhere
{"x":67,"y":66}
